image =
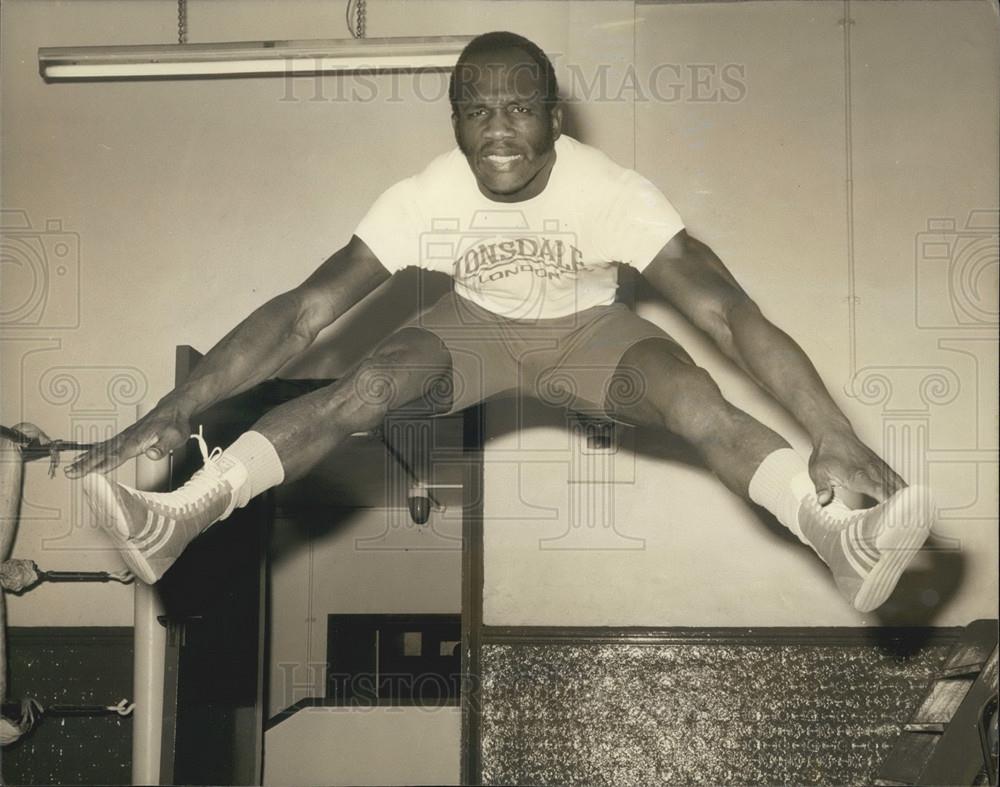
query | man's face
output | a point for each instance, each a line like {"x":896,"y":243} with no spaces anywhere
{"x":504,"y":127}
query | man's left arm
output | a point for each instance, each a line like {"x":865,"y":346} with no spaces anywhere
{"x":691,"y":277}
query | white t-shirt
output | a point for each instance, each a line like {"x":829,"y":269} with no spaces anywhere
{"x":549,"y":256}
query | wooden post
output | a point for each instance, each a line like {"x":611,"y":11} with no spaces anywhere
{"x":150,"y":648}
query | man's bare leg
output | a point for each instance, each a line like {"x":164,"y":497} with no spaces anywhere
{"x":867,"y":550}
{"x":152,"y":529}
{"x":402,"y":370}
{"x":682,"y":398}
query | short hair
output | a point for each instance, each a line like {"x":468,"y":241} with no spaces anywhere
{"x":500,"y":40}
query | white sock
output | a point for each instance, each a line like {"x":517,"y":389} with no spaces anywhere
{"x":263,"y":466}
{"x":780,"y":484}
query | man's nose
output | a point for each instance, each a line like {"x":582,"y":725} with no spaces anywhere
{"x":499,"y":126}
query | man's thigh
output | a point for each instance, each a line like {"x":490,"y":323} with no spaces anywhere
{"x":479,"y":350}
{"x":585,"y":373}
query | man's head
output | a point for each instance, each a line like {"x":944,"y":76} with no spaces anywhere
{"x":506,"y":115}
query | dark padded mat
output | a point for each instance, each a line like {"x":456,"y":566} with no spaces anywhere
{"x":622,"y":714}
{"x":71,"y":666}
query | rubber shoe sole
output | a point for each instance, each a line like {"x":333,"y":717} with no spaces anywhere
{"x":910,"y":514}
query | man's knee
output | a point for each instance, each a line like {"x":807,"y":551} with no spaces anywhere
{"x":411,"y":368}
{"x":657,"y":367}
{"x":657,"y":383}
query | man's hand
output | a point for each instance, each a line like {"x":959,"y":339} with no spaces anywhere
{"x":839,"y":458}
{"x":161,"y":430}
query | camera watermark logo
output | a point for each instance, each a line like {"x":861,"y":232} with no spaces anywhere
{"x":955,"y":298}
{"x":957,"y":272}
{"x":40,"y":270}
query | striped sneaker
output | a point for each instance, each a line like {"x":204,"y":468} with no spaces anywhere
{"x":152,"y":529}
{"x":868,"y":549}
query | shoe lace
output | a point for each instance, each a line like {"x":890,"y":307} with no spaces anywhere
{"x":206,"y":456}
{"x":194,"y":490}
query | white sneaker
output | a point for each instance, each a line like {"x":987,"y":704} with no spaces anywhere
{"x":152,"y":529}
{"x":868,"y":549}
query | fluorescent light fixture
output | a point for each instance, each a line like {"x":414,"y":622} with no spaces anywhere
{"x":249,"y":58}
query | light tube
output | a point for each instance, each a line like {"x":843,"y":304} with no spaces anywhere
{"x":249,"y":58}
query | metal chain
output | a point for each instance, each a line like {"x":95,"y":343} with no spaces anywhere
{"x":356,"y":20}
{"x":361,"y":12}
{"x":182,"y":22}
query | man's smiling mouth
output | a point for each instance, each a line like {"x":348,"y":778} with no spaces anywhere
{"x":500,"y":161}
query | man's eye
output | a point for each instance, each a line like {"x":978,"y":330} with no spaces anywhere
{"x":518,"y":108}
{"x":476,"y":113}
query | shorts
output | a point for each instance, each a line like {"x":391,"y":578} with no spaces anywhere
{"x":564,"y":361}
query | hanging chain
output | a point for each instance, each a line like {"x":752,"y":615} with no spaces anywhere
{"x":357,"y":13}
{"x":182,"y":22}
{"x":361,"y":12}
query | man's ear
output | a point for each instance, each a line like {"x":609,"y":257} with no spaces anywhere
{"x":454,"y":125}
{"x":556,"y":120}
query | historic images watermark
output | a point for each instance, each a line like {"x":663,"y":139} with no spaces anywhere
{"x":607,"y":83}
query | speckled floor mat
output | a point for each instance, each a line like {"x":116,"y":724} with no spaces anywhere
{"x":719,"y":714}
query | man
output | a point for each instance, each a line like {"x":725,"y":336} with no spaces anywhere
{"x":541,"y":223}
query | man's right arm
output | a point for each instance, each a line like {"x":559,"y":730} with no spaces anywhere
{"x":251,"y":352}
